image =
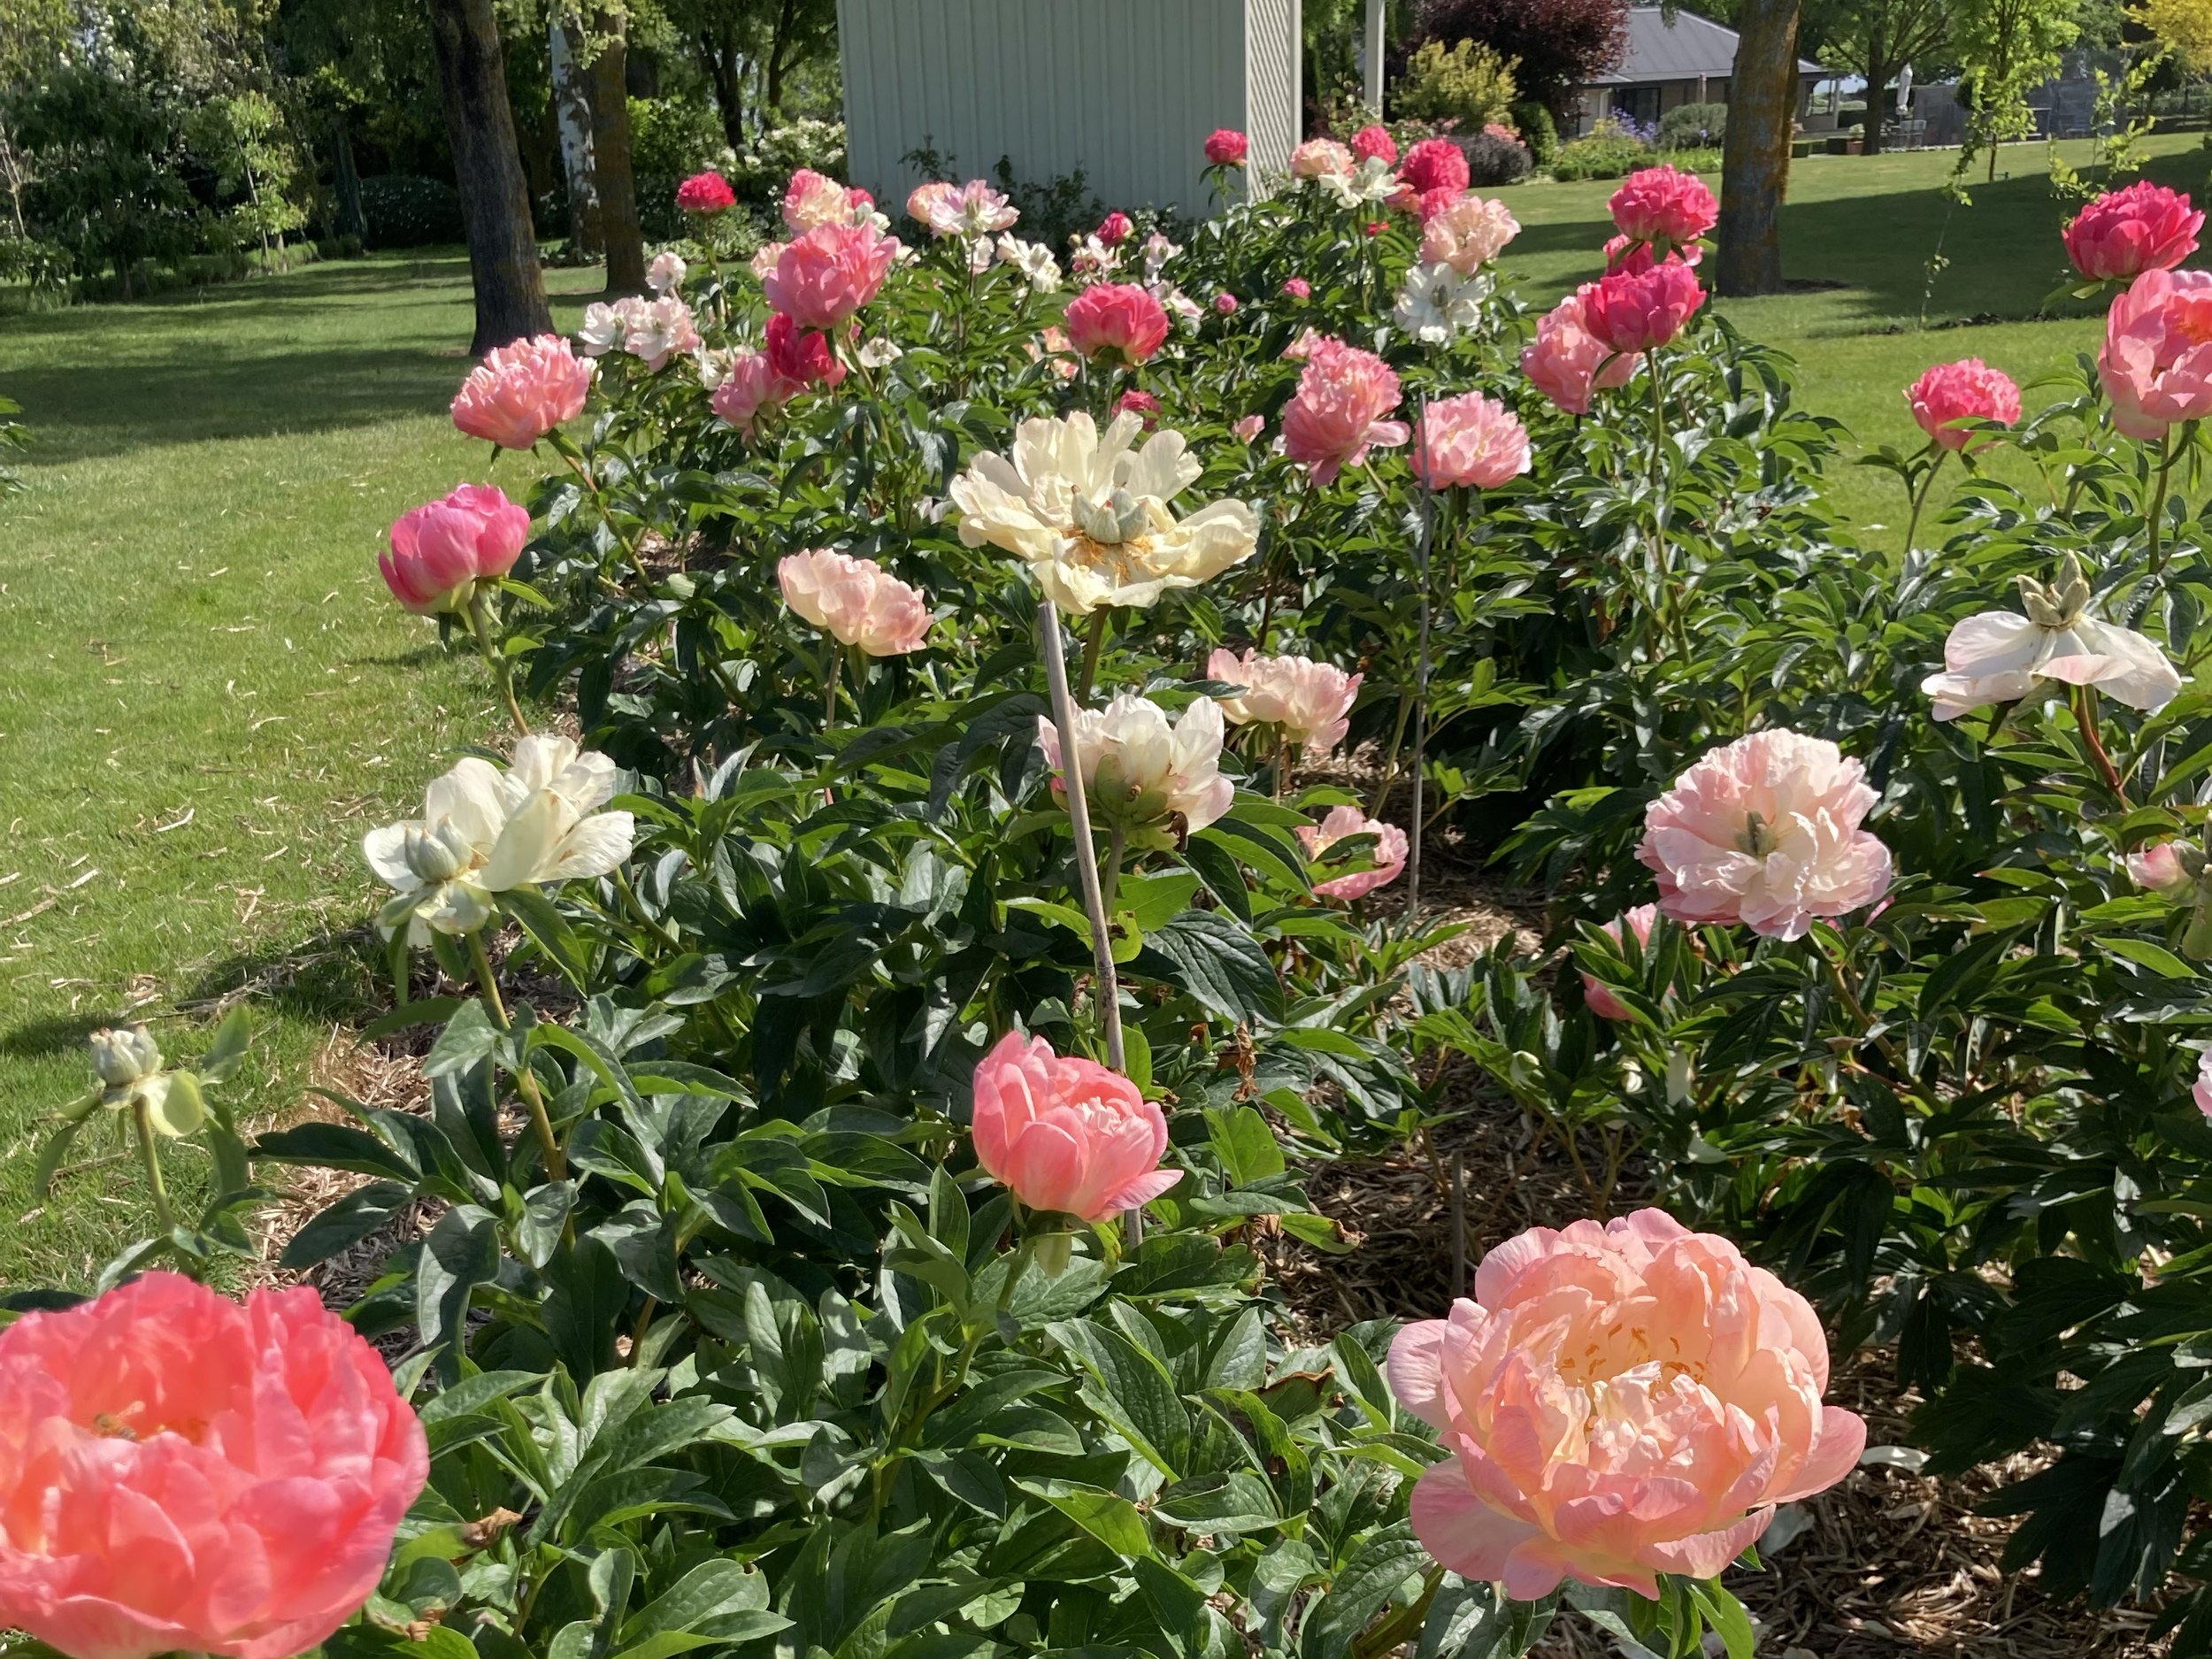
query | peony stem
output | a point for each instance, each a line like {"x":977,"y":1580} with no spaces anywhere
{"x":2166,"y":458}
{"x":1670,"y":611}
{"x":1390,"y":756}
{"x":830,"y":676}
{"x":480,"y":625}
{"x":1920,"y":496}
{"x":142,"y":1122}
{"x":576,"y":465}
{"x":2085,"y":719}
{"x":1110,"y":878}
{"x":549,"y":1144}
{"x":1093,"y":647}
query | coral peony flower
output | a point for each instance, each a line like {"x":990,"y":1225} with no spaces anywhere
{"x":522,"y":391}
{"x":2157,"y":363}
{"x":1466,"y":233}
{"x":1998,"y":655}
{"x":1569,"y":364}
{"x":1595,"y":996}
{"x":1143,"y":774}
{"x":1343,"y":396}
{"x":1389,"y":854}
{"x":810,"y":200}
{"x":1310,"y":702}
{"x":1116,"y":318}
{"x":2200,"y":1092}
{"x":1469,"y":440}
{"x":1765,"y":830}
{"x":1634,"y":310}
{"x":181,"y":1473}
{"x":802,"y":356}
{"x":1320,"y":158}
{"x":1434,"y":164}
{"x":933,"y":204}
{"x":1969,"y":389}
{"x":1227,"y":147}
{"x":442,"y":548}
{"x":1297,"y":288}
{"x":1618,"y":1401}
{"x":750,"y":390}
{"x":1066,"y":1134}
{"x":1636,"y":258}
{"x":855,"y":599}
{"x":667,"y":271}
{"x":485,"y":831}
{"x":822,"y":278}
{"x":1663,"y":206}
{"x":1115,"y":228}
{"x":1092,"y":515}
{"x":2125,"y":233}
{"x":706,"y":192}
{"x":1375,"y":143}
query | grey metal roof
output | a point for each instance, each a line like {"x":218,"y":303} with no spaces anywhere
{"x":1688,"y":47}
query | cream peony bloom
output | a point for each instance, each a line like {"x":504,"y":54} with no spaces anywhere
{"x":1998,"y":655}
{"x":1437,"y":304}
{"x":1092,"y":515}
{"x":1142,"y":773}
{"x":485,"y":831}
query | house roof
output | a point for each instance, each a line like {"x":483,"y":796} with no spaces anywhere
{"x":1680,"y":50}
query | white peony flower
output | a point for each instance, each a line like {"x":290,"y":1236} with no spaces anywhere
{"x":1998,"y":655}
{"x":1141,"y":773}
{"x":604,"y":328}
{"x":1372,"y":180}
{"x":1437,"y":304}
{"x":1033,"y":260}
{"x":667,"y":271}
{"x":880,"y":353}
{"x":1092,"y":515}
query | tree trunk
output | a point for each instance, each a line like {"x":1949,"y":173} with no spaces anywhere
{"x":488,"y":167}
{"x":1877,"y":79}
{"x":1755,"y":157}
{"x":351,"y":220}
{"x":572,"y":109}
{"x":776,"y":44}
{"x":618,"y":229}
{"x":729,"y":90}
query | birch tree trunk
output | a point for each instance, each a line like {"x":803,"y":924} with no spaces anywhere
{"x":572,"y":112}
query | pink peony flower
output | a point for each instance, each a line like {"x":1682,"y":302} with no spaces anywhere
{"x":442,"y":548}
{"x":2157,"y":363}
{"x":2125,"y":233}
{"x":181,"y":1473}
{"x":1426,"y":204}
{"x":1664,"y":206}
{"x":660,"y":329}
{"x":856,"y":600}
{"x":1066,"y":1134}
{"x":1118,"y":320}
{"x":810,"y":199}
{"x":1312,"y":702}
{"x":1297,"y":288}
{"x":706,"y":192}
{"x":1320,"y":158}
{"x":1619,"y":1402}
{"x":935,"y":204}
{"x":1389,"y":854}
{"x":1225,"y":304}
{"x":1595,"y":996}
{"x":1249,"y":427}
{"x":522,"y":391}
{"x":822,"y":278}
{"x":2159,"y":868}
{"x":1499,"y":130}
{"x":1339,"y":411}
{"x":1114,"y":229}
{"x":1469,"y":440}
{"x":802,"y":356}
{"x":1966,"y":390}
{"x":1375,"y":143}
{"x":1569,"y":364}
{"x":1434,"y":164}
{"x":750,"y":390}
{"x":1227,"y":147}
{"x":667,"y":271}
{"x":2200,"y":1092}
{"x":1634,"y":310}
{"x":1765,"y":830}
{"x":1466,"y":233}
{"x":1143,"y":405}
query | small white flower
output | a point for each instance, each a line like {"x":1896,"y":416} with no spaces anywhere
{"x":604,"y":327}
{"x":1139,"y":771}
{"x":1372,"y":180}
{"x":1998,"y":655}
{"x":1437,"y":304}
{"x":1033,"y":260}
{"x":667,"y":271}
{"x":881,"y":354}
{"x":1093,"y":261}
{"x":1157,"y":251}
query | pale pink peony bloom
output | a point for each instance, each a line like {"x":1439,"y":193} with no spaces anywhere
{"x":667,"y":271}
{"x":1619,"y":1402}
{"x":802,"y":356}
{"x":1597,"y":997}
{"x":605,"y":326}
{"x":762,"y":263}
{"x":522,"y":391}
{"x":2200,"y":1092}
{"x":1249,"y":427}
{"x":2159,"y":868}
{"x":1227,"y":147}
{"x":1998,"y":655}
{"x":1765,"y":830}
{"x":856,"y":600}
{"x":1064,"y":1134}
{"x":181,"y":1473}
{"x":810,"y":200}
{"x":1389,"y":854}
{"x":1115,"y":229}
{"x":1467,"y":233}
{"x":1469,"y":440}
{"x":1663,"y":205}
{"x":750,"y":390}
{"x":1634,"y":310}
{"x":824,"y":277}
{"x":973,"y":209}
{"x":1569,"y":364}
{"x":1375,"y":143}
{"x":1312,"y":702}
{"x":442,"y":548}
{"x":660,"y":329}
{"x":1320,"y":158}
{"x":1969,"y":389}
{"x":1434,"y":164}
{"x":1341,"y":409}
{"x":934,"y":204}
{"x":1225,"y":304}
{"x":706,"y":192}
{"x":2157,"y":363}
{"x":2125,"y":233}
{"x":1140,"y":771}
{"x":1118,"y":320}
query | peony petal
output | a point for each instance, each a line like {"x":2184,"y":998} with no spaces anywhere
{"x":1468,"y":1536}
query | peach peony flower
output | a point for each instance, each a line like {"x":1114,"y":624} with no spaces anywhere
{"x":856,"y":600}
{"x":442,"y":548}
{"x":1998,"y":655}
{"x":1469,"y":440}
{"x":810,"y":199}
{"x":1343,"y":396}
{"x":1118,"y":320}
{"x":1618,"y":1401}
{"x":1597,"y":997}
{"x":1765,"y":830}
{"x":1375,"y":143}
{"x":1321,"y":159}
{"x":822,"y":278}
{"x":522,"y":391}
{"x":750,"y":390}
{"x":706,"y":192}
{"x":1065,"y":1134}
{"x":2200,"y":1092}
{"x":1664,"y":206}
{"x":1249,"y":426}
{"x":1140,"y":771}
{"x":1389,"y":854}
{"x":181,"y":1473}
{"x":2157,"y":363}
{"x":2125,"y":233}
{"x":802,"y":356}
{"x":1466,"y":233}
{"x":1969,"y":389}
{"x":1569,"y":364}
{"x":1434,"y":164}
{"x":1310,"y":702}
{"x":1634,"y":310}
{"x":1227,"y":147}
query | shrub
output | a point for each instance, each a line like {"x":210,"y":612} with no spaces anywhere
{"x":1612,"y":148}
{"x":1694,"y":126}
{"x":1468,"y":85}
{"x":405,"y":211}
{"x":669,"y":140}
{"x":1492,"y":160}
{"x":1533,"y":121}
{"x":1554,"y":44}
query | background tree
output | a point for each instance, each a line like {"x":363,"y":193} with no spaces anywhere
{"x":621,"y":238}
{"x":495,"y":201}
{"x":2006,"y":48}
{"x":749,"y":51}
{"x":565,"y":51}
{"x":1755,"y":153}
{"x":2183,"y":27}
{"x":242,"y":136}
{"x":1557,"y":42}
{"x":1880,"y":37}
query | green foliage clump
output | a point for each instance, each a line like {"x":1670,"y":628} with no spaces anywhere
{"x":1612,"y":148}
{"x":403,"y":211}
{"x":1538,"y":130}
{"x":1467,"y":84}
{"x":1694,"y":126}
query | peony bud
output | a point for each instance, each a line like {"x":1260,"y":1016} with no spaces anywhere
{"x":125,"y":1055}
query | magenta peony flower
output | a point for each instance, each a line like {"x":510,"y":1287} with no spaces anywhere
{"x":2157,"y":363}
{"x":824,"y":277}
{"x":1297,"y":288}
{"x":1225,"y":304}
{"x":1344,"y":396}
{"x":1065,"y":1134}
{"x":1434,"y":164}
{"x":1375,"y":143}
{"x":1595,"y":996}
{"x":1619,"y":1402}
{"x":1114,"y":229}
{"x":802,"y":356}
{"x":1469,"y":440}
{"x":1320,"y":158}
{"x":706,"y":192}
{"x":1966,"y":390}
{"x":1143,"y":405}
{"x":1310,"y":702}
{"x":442,"y":548}
{"x":522,"y":391}
{"x":1765,"y":830}
{"x":1227,"y":147}
{"x":1569,"y":364}
{"x":856,"y":600}
{"x":1116,"y":320}
{"x":1389,"y":854}
{"x":1663,"y":206}
{"x":2125,"y":233}
{"x":181,"y":1473}
{"x":1634,"y":310}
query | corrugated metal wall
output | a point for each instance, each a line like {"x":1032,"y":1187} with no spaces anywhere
{"x":1126,"y":91}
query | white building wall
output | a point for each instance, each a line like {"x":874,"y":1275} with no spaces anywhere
{"x":1126,"y":90}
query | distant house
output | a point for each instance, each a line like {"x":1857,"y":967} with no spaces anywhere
{"x":1689,"y":59}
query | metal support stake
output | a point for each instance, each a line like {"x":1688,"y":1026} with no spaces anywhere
{"x":1421,"y":674}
